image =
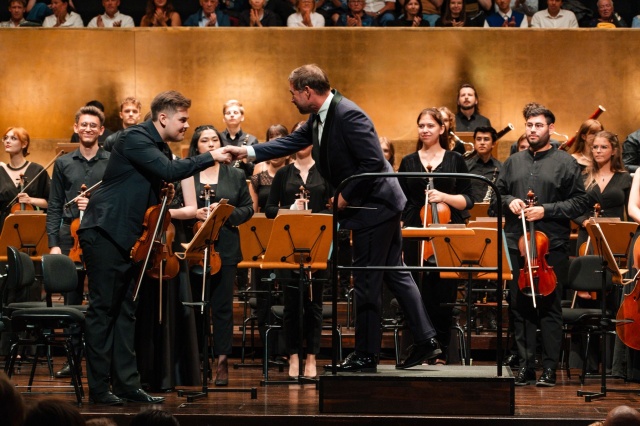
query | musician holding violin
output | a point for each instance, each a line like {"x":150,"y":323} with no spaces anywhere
{"x":17,"y":173}
{"x":450,"y":197}
{"x":223,"y":182}
{"x":551,"y":179}
{"x":140,"y":162}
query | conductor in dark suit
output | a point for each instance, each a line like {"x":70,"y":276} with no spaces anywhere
{"x":345,"y":143}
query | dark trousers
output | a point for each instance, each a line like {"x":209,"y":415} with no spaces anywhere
{"x":312,"y":312}
{"x":548,"y":314}
{"x":110,"y":320}
{"x":381,"y":245}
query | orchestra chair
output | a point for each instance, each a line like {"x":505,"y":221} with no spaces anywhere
{"x":45,"y":326}
{"x":585,"y":274}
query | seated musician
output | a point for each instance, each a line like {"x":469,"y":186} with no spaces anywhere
{"x":560,"y":194}
{"x":85,"y":165}
{"x":432,"y":154}
{"x":226,"y":182}
{"x":299,"y":186}
{"x":483,"y":163}
{"x":18,"y":172}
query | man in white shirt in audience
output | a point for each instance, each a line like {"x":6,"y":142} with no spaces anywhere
{"x":554,"y":17}
{"x":63,"y":16}
{"x":17,"y":9}
{"x":112,"y":18}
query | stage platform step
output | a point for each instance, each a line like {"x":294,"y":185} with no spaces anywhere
{"x":424,"y":390}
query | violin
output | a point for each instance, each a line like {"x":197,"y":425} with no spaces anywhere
{"x":536,"y":277}
{"x":628,"y":317}
{"x":154,"y":245}
{"x":584,"y":249}
{"x":436,"y":213}
{"x":304,"y":195}
{"x":76,"y":251}
{"x":215,"y":263}
{"x":22,"y":206}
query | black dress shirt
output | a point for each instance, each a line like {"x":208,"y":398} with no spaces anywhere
{"x":490,"y":170}
{"x":286,"y":187}
{"x":464,"y":124}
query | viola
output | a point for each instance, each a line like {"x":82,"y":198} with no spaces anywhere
{"x":153,"y":246}
{"x":585,"y":248}
{"x":215,"y":262}
{"x":21,"y":206}
{"x":536,"y":277}
{"x":76,"y":251}
{"x":628,"y":317}
{"x":436,"y":213}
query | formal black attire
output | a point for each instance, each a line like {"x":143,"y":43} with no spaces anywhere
{"x":284,"y":191}
{"x":464,"y":124}
{"x":139,"y":162}
{"x":555,"y":179}
{"x":240,"y":139}
{"x":9,"y":190}
{"x":631,"y":151}
{"x":349,"y":146}
{"x":489,"y":169}
{"x":435,"y":292}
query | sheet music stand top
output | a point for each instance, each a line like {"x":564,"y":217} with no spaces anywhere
{"x":207,"y":233}
{"x":618,"y":234}
{"x":477,"y":250}
{"x":292,"y":235}
{"x":602,"y":248}
{"x":254,"y":237}
{"x":27,"y":231}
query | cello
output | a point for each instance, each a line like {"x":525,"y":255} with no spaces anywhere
{"x":432,"y":213}
{"x":215,"y":263}
{"x":628,"y":316}
{"x":536,"y":277}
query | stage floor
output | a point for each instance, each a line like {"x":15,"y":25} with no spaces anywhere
{"x":295,"y":404}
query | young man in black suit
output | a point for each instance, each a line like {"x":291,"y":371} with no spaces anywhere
{"x":345,"y":144}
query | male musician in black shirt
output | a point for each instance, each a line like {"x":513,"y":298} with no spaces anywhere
{"x":483,"y":163}
{"x":140,"y":162}
{"x":468,"y":117}
{"x":85,"y":165}
{"x":555,"y":179}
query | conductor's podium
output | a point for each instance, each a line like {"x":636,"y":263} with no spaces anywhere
{"x":424,"y":390}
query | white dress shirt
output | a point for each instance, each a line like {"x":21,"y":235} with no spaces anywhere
{"x":126,"y":21}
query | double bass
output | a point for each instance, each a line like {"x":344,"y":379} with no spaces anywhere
{"x":628,"y":316}
{"x":536,"y":277}
{"x":432,"y":213}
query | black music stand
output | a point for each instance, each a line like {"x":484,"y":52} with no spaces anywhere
{"x":27,"y":231}
{"x":299,"y":241}
{"x":602,"y":248}
{"x":199,"y":248}
{"x":477,"y":250}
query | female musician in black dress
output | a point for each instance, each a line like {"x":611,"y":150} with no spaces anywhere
{"x":432,"y":152}
{"x":16,"y":143}
{"x":264,"y":172}
{"x":581,"y":149}
{"x":286,"y":193}
{"x":229,"y":183}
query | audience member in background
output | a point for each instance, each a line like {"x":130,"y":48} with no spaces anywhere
{"x":11,"y":402}
{"x":103,"y":137}
{"x":622,"y":415}
{"x":449,"y":121}
{"x":329,"y":8}
{"x":411,"y":16}
{"x":554,"y":17}
{"x":208,"y":16}
{"x":233,"y":116}
{"x":53,"y":412}
{"x":607,"y":17}
{"x":258,"y":16}
{"x":111,"y":18}
{"x":468,"y":116}
{"x":17,"y":9}
{"x":636,"y":22}
{"x":63,"y":16}
{"x":160,"y":13}
{"x":506,"y":17}
{"x":130,"y":111}
{"x":455,"y":15}
{"x":388,"y":151}
{"x":581,"y":149}
{"x":355,"y":17}
{"x":154,"y":418}
{"x":306,"y":15}
{"x":381,"y":11}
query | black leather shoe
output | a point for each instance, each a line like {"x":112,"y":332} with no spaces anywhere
{"x":526,"y":376}
{"x":64,"y":372}
{"x":106,"y":398}
{"x":421,"y":352}
{"x":141,"y":396}
{"x":511,"y":361}
{"x":548,"y":378}
{"x":355,"y":363}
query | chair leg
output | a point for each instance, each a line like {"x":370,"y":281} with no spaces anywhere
{"x":74,"y":368}
{"x":33,"y":368}
{"x":585,"y":355}
{"x":396,"y":342}
{"x":11,"y":360}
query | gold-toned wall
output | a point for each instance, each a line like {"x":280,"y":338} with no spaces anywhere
{"x":391,"y":73}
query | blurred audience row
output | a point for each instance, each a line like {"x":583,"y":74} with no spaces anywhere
{"x":320,"y":13}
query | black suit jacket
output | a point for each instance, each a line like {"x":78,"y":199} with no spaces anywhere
{"x":349,"y":146}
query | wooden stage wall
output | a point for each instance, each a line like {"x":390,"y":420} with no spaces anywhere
{"x":391,"y":73}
